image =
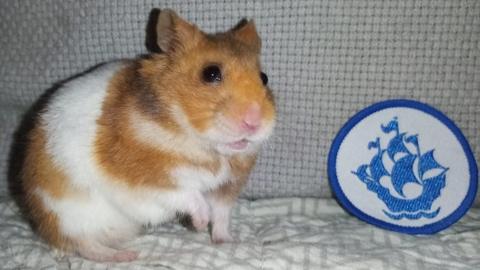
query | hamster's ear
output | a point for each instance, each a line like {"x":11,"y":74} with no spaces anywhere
{"x":246,"y":32}
{"x":151,"y":32}
{"x":173,"y":33}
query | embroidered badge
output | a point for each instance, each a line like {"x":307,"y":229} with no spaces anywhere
{"x":403,"y":165}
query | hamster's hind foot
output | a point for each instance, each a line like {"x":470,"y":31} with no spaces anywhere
{"x":95,"y":251}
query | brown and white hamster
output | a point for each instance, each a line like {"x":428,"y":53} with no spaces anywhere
{"x":134,"y":142}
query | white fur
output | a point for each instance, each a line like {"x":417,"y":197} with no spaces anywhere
{"x":191,"y":178}
{"x":70,"y":124}
{"x":90,"y":216}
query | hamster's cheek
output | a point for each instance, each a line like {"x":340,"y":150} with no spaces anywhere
{"x":221,"y":129}
{"x":216,"y":135}
{"x":264,"y":132}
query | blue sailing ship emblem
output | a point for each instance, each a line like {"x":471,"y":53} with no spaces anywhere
{"x":411,"y":168}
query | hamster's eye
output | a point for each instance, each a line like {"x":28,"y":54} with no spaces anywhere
{"x":264,"y":78}
{"x":212,"y":74}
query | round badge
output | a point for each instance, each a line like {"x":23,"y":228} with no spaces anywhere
{"x":404,"y":166}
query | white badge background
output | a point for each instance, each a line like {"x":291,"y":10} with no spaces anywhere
{"x":433,"y":134}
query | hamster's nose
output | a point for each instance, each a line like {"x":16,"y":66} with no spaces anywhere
{"x":252,"y":118}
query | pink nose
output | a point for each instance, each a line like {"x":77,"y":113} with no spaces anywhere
{"x":252,"y":118}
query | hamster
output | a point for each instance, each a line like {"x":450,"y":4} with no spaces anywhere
{"x":136,"y":142}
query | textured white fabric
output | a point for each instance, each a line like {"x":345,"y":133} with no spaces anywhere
{"x":273,"y":234}
{"x":326,"y":60}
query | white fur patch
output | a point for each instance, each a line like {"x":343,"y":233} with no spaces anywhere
{"x":192,"y":178}
{"x":110,"y":212}
{"x":70,"y":124}
{"x":89,"y":216}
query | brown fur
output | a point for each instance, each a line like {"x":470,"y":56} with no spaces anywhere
{"x":41,"y":174}
{"x":120,"y":154}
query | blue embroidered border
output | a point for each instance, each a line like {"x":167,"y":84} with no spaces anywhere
{"x":429,"y":228}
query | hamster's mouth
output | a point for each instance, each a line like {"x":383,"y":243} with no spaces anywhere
{"x":239,"y":145}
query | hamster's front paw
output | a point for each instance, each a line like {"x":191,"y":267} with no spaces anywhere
{"x":221,"y":236}
{"x":220,"y":221}
{"x":220,"y":231}
{"x":200,"y":212}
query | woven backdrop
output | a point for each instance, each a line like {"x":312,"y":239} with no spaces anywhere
{"x":326,"y":60}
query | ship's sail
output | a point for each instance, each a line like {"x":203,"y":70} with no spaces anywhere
{"x":427,"y":162}
{"x":387,"y":162}
{"x":377,"y":169}
{"x":402,"y":173}
{"x":396,"y":145}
